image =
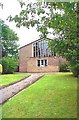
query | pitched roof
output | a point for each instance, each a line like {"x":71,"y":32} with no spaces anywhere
{"x":34,"y":41}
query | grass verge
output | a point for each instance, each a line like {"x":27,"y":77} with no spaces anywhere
{"x":11,"y":78}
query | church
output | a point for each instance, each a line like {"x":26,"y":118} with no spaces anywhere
{"x":37,"y":57}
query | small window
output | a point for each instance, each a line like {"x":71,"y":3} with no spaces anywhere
{"x":38,"y":63}
{"x":41,"y":63}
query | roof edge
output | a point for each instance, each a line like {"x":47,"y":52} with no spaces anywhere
{"x":33,"y":42}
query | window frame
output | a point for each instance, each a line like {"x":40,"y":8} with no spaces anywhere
{"x":42,"y":61}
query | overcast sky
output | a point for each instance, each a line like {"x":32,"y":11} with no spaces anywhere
{"x":12,"y":7}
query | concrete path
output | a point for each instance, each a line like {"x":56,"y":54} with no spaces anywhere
{"x":8,"y":92}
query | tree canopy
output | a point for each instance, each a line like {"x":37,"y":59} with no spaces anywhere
{"x":62,"y":18}
{"x":8,"y":48}
{"x":8,"y":40}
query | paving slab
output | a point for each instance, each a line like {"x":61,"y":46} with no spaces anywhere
{"x":10,"y":91}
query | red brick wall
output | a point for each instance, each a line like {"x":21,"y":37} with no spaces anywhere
{"x":52,"y":65}
{"x":29,"y":64}
{"x":24,"y":53}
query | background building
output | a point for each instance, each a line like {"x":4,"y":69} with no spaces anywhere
{"x":37,"y":57}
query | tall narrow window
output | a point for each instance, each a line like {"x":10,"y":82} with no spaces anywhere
{"x":45,"y":62}
{"x":40,"y":49}
{"x":39,"y":52}
{"x":34,"y":51}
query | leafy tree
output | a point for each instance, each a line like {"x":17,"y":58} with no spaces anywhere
{"x":8,"y":43}
{"x":9,"y":64}
{"x":62,"y":18}
{"x":8,"y":40}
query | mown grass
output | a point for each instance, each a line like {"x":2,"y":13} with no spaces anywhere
{"x":11,"y":78}
{"x":53,"y":96}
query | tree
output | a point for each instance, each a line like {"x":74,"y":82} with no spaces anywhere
{"x":9,"y":64}
{"x":8,"y":41}
{"x":62,"y":18}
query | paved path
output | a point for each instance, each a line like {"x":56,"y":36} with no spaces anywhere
{"x":8,"y":92}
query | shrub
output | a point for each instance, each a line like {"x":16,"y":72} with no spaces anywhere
{"x":75,"y":69}
{"x":9,"y":64}
{"x":64,"y":68}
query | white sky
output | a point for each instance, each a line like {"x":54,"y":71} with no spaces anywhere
{"x":12,"y":7}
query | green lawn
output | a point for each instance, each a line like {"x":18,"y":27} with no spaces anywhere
{"x":53,"y":96}
{"x":10,"y":78}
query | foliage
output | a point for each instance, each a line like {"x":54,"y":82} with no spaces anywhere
{"x":8,"y":40}
{"x":53,"y":96}
{"x":75,"y":69}
{"x":62,"y":18}
{"x":11,"y":78}
{"x":9,"y":64}
{"x":64,"y":68}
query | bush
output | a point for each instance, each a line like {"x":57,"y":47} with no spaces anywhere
{"x":9,"y":64}
{"x":64,"y":68}
{"x":75,"y":69}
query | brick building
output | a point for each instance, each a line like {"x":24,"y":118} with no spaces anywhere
{"x":37,"y":57}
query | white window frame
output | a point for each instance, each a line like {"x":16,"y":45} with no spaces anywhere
{"x":40,"y":63}
{"x":32,"y":50}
